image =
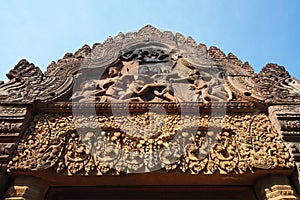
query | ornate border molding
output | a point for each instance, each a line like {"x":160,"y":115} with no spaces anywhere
{"x":231,"y":107}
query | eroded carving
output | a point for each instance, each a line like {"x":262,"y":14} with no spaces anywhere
{"x":9,"y":126}
{"x":276,"y":84}
{"x":19,"y":77}
{"x":27,"y":83}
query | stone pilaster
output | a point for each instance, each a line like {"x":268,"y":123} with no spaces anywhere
{"x":13,"y":122}
{"x":275,"y":187}
{"x":286,"y":120}
{"x":27,"y":188}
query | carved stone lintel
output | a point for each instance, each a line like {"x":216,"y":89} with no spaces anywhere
{"x":98,"y":144}
{"x":275,"y":187}
{"x":27,"y":188}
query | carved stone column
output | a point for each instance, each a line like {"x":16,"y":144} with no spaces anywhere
{"x":285,"y":119}
{"x":27,"y":187}
{"x":13,"y":121}
{"x":275,"y":187}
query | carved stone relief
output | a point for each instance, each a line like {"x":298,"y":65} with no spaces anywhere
{"x":274,"y":187}
{"x":276,"y":84}
{"x":285,"y":119}
{"x":247,"y":143}
{"x":12,"y":118}
{"x":174,"y":56}
{"x":145,"y":68}
{"x":160,"y":74}
{"x":12,"y":110}
{"x":11,"y":121}
{"x":142,"y":49}
{"x":27,"y":83}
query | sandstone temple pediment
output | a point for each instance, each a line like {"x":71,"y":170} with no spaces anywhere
{"x":149,"y":108}
{"x":159,"y":56}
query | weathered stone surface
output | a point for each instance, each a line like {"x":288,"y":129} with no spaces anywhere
{"x":247,"y":143}
{"x":277,"y":85}
{"x":146,"y":101}
{"x":27,"y":83}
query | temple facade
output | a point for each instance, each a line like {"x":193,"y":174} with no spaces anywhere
{"x":149,"y":115}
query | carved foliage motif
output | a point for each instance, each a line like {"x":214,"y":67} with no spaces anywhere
{"x":118,"y":144}
{"x":47,"y":145}
{"x":27,"y":83}
{"x":18,"y":86}
{"x":276,"y":84}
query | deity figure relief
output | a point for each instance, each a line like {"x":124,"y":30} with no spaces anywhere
{"x":130,"y":91}
{"x":200,"y":88}
{"x":114,"y":75}
{"x":196,"y":84}
{"x":218,"y":89}
{"x":154,"y":81}
{"x":137,"y":89}
{"x":160,"y":86}
{"x":99,"y":90}
{"x":89,"y":92}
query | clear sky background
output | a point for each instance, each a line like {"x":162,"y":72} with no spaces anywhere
{"x":258,"y":31}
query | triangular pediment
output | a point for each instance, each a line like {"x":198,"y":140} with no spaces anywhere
{"x":170,"y":67}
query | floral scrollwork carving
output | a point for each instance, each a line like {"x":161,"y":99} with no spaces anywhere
{"x":96,"y":145}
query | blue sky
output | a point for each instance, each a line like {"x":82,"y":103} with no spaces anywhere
{"x":258,"y":31}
